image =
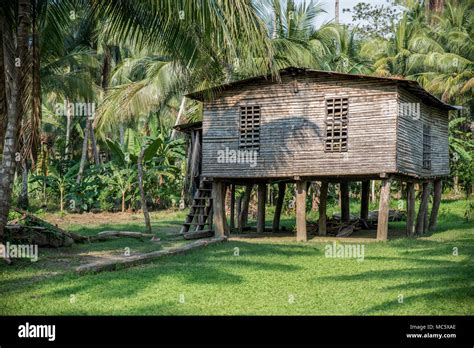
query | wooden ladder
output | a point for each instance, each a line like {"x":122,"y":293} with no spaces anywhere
{"x":198,"y":223}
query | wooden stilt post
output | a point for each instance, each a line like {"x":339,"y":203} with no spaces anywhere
{"x":422,"y":211}
{"x":238,"y":209}
{"x":438,"y":189}
{"x":410,"y":209}
{"x":232,"y":207}
{"x":218,"y":201}
{"x":301,"y":233}
{"x":426,"y":218}
{"x":345,"y":212}
{"x":384,"y":205}
{"x":323,"y":198}
{"x":261,"y":207}
{"x":364,"y":200}
{"x":244,"y":213}
{"x":279,"y":206}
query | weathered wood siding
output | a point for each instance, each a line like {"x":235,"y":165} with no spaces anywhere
{"x":410,"y":137}
{"x":292,"y":129}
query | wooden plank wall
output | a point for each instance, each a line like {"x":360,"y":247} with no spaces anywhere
{"x":293,"y":129}
{"x":410,"y":138}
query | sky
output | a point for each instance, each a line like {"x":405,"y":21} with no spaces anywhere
{"x":345,"y":18}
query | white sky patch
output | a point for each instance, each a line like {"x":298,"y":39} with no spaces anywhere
{"x":344,"y":17}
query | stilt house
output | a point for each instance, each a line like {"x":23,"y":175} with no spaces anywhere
{"x":321,"y":126}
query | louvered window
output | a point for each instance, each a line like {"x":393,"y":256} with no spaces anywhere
{"x":337,"y":110}
{"x":249,"y":127}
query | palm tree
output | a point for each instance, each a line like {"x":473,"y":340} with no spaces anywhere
{"x":207,"y":41}
{"x":451,"y":75}
{"x":344,"y":51}
{"x":410,"y":52}
{"x":294,"y":39}
{"x":15,"y":19}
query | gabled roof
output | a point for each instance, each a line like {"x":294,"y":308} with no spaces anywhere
{"x":411,"y":86}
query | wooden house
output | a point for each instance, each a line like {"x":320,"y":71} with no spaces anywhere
{"x":311,"y":125}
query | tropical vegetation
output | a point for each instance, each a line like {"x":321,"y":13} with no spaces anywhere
{"x":91,"y":90}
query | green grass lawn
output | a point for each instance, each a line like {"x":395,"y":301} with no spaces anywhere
{"x":402,"y":277}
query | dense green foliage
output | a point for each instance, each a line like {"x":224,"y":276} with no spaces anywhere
{"x":134,"y":61}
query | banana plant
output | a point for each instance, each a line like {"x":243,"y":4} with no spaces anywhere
{"x":58,"y":180}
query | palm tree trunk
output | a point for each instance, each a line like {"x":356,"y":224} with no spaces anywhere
{"x":142,"y":190}
{"x":104,"y":83}
{"x":95,"y":151}
{"x":274,"y":25}
{"x":23,"y":201}
{"x":36,"y":114}
{"x":123,"y":201}
{"x":178,"y":118}
{"x":336,"y":11}
{"x":84,"y":151}
{"x":435,"y":5}
{"x":68,"y":129}
{"x":457,"y":190}
{"x":3,"y":105}
{"x":16,"y":83}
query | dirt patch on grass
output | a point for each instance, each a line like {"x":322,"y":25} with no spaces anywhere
{"x":88,"y":219}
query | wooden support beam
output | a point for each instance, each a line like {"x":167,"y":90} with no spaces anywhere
{"x":345,"y":212}
{"x":426,"y":219}
{"x":261,"y":198}
{"x":410,"y":228}
{"x":279,"y":206}
{"x":422,"y":211}
{"x":218,"y":202}
{"x":364,"y":200}
{"x":238,"y":209}
{"x":232,"y":207}
{"x":323,"y":198}
{"x":301,"y":233}
{"x":438,"y":189}
{"x":384,"y":206}
{"x":244,"y":213}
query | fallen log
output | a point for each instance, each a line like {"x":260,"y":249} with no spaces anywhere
{"x":128,"y":261}
{"x":18,"y":227}
{"x":36,"y":235}
{"x":198,"y":235}
{"x":30,"y":218}
{"x":124,"y":234}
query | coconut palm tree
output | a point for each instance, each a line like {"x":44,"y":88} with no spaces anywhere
{"x":15,"y":20}
{"x":451,"y":75}
{"x":207,"y":41}
{"x":295,"y":39}
{"x":344,"y":51}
